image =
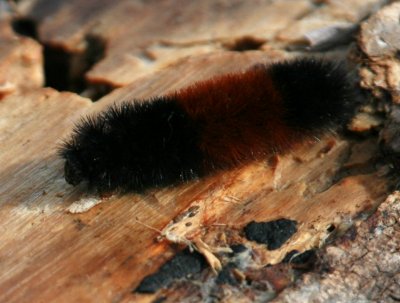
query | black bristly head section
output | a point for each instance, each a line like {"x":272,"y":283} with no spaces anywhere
{"x":316,"y":94}
{"x":132,"y":147}
{"x":83,"y":150}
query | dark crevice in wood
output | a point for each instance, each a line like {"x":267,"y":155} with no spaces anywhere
{"x":56,"y":69}
{"x":245,"y":43}
{"x":65,"y":70}
{"x":25,"y":27}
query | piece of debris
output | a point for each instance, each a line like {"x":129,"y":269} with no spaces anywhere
{"x":182,"y":266}
{"x":84,"y":205}
{"x":273,"y":233}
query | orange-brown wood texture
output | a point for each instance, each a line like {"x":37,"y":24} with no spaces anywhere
{"x":60,"y":244}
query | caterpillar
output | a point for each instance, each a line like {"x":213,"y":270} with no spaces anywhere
{"x":211,"y":125}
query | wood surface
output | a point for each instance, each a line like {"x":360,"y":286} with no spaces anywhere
{"x":21,"y":60}
{"x":364,"y":263}
{"x":59,"y":244}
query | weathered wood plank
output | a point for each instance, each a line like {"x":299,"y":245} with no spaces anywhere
{"x":48,"y":253}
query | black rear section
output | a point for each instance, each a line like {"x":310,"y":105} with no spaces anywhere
{"x":317,"y":94}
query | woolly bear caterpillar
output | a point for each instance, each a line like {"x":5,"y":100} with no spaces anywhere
{"x":210,"y":125}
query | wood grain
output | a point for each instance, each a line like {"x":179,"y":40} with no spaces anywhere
{"x":49,"y":254}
